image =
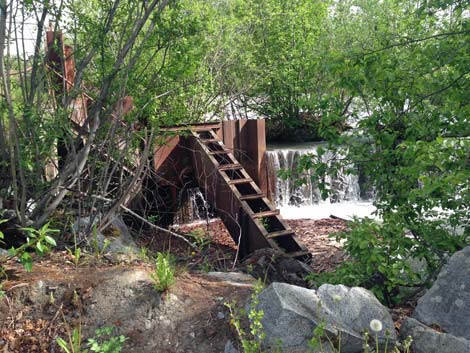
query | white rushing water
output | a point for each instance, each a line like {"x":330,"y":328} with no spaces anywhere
{"x":304,"y":201}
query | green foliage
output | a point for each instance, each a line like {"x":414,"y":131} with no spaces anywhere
{"x":407,"y":76}
{"x":74,"y":343}
{"x":37,"y":239}
{"x":2,"y":269}
{"x":164,"y":274}
{"x":251,"y":341}
{"x":199,"y":238}
{"x":382,"y":255}
{"x":105,"y":342}
{"x":2,"y":236}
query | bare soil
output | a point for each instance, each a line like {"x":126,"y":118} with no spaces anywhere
{"x":314,"y":234}
{"x":56,"y":297}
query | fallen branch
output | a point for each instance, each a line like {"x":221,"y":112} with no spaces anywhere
{"x":128,"y":210}
{"x":159,"y":228}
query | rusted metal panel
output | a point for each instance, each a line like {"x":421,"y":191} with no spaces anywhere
{"x":251,"y":219}
{"x":246,"y":139}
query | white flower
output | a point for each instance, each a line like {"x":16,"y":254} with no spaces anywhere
{"x":376,"y":325}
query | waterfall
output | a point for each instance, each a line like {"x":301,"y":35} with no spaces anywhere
{"x":292,"y":197}
{"x":193,"y":207}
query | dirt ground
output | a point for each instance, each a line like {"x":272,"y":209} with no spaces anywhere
{"x":55,"y":297}
{"x":314,"y":234}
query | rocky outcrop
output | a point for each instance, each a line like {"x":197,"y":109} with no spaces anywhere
{"x":442,"y":314}
{"x":428,"y":340}
{"x":291,"y":314}
{"x":447,"y":302}
{"x":270,"y":266}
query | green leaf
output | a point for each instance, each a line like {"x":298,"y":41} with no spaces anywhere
{"x":50,"y":240}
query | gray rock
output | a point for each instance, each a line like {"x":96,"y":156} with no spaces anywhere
{"x":270,"y":266}
{"x":447,"y":302}
{"x":122,"y":240}
{"x":291,"y":313}
{"x":238,"y":279}
{"x":427,"y":340}
{"x":3,"y":253}
{"x":83,"y":225}
{"x":117,"y":238}
{"x":230,"y":348}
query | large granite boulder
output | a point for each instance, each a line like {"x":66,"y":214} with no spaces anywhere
{"x":441,"y":320}
{"x":291,"y":314}
{"x":428,"y":340}
{"x":447,"y":302}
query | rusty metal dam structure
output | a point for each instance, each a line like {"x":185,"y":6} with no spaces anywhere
{"x":226,"y":159}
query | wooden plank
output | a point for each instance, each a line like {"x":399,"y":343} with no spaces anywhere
{"x":280,"y":233}
{"x":266,"y":214}
{"x":240,"y":181}
{"x":193,"y":127}
{"x":301,"y":253}
{"x":252,"y":197}
{"x":230,"y":166}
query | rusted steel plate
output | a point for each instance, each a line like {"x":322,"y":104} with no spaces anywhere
{"x":251,"y":219}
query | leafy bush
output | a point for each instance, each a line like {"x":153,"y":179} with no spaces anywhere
{"x":37,"y":239}
{"x":381,"y":257}
{"x":164,"y":273}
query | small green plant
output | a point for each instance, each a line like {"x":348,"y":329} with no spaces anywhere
{"x":154,"y":219}
{"x":73,"y":343}
{"x":76,"y":255}
{"x":265,"y":223}
{"x":97,"y":250}
{"x":145,"y":254}
{"x":37,"y":239}
{"x":2,"y":236}
{"x":106,"y":342}
{"x":164,"y":274}
{"x":320,"y":337}
{"x":2,"y":269}
{"x":103,"y":342}
{"x":252,"y":341}
{"x":2,"y":292}
{"x":199,"y":238}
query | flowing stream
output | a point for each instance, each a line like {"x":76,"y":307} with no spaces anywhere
{"x":348,"y":197}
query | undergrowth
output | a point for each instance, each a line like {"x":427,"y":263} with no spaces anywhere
{"x":164,"y":274}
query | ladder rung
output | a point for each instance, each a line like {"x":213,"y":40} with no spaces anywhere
{"x":280,"y":233}
{"x":209,"y":140}
{"x":240,"y":181}
{"x":219,"y":152}
{"x":203,"y":129}
{"x":266,"y":213}
{"x":230,"y":166}
{"x":252,"y":197}
{"x":301,"y":253}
